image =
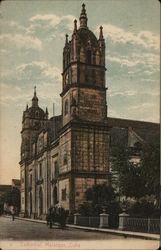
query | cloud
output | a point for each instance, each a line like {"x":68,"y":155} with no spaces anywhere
{"x":15,"y":25}
{"x":40,"y":23}
{"x":123,"y":61}
{"x":139,"y":65}
{"x":3,"y":52}
{"x":145,"y":39}
{"x":39,"y":69}
{"x":122,"y":93}
{"x":50,"y":18}
{"x":22,"y":41}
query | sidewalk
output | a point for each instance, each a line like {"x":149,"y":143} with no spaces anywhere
{"x":140,"y":235}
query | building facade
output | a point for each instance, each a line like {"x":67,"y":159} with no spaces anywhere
{"x":63,"y":156}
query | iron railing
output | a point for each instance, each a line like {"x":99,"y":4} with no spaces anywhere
{"x":88,"y":221}
{"x":148,"y":225}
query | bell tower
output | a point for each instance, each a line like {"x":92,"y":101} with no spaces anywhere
{"x":84,"y":138}
{"x":83,"y":83}
{"x":33,"y":120}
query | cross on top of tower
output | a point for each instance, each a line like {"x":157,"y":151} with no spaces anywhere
{"x":101,"y":33}
{"x":35,"y":99}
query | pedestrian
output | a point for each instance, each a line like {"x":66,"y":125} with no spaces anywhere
{"x":13,"y":213}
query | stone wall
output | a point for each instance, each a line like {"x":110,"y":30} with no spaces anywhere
{"x":64,"y":193}
{"x":64,"y":159}
{"x":92,"y":105}
{"x":90,"y":149}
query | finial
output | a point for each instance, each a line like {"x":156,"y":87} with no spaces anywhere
{"x":101,"y":33}
{"x":83,"y":17}
{"x":34,"y":99}
{"x":66,"y":41}
{"x":27,"y":107}
{"x":46,"y":110}
{"x":75,"y":25}
{"x":83,"y":7}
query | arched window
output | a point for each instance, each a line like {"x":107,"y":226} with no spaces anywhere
{"x":66,"y":107}
{"x":88,"y":56}
{"x":65,"y":159}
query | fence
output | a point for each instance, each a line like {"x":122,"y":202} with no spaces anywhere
{"x":143,"y":225}
{"x":121,"y":222}
{"x":88,"y":221}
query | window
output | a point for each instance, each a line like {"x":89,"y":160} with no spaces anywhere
{"x":56,"y":170}
{"x":63,"y":194}
{"x":66,"y":107}
{"x":40,"y":170}
{"x":89,"y":56}
{"x":65,"y":159}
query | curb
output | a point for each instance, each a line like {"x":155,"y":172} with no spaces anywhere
{"x":101,"y":230}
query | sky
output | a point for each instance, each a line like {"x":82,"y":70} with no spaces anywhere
{"x":32,"y":37}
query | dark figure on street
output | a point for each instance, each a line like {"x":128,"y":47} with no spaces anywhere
{"x":13,"y":214}
{"x":56,"y":214}
{"x":50,"y":217}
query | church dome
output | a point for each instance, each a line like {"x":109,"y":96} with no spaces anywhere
{"x":87,"y":38}
{"x":36,"y":112}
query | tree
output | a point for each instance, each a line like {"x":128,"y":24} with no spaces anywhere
{"x":141,"y":179}
{"x":128,"y":173}
{"x":100,"y":194}
{"x":12,"y":197}
{"x":150,"y":167}
{"x":99,"y":197}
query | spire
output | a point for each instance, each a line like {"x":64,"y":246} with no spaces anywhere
{"x":83,"y":17}
{"x":47,"y":112}
{"x":66,"y":40}
{"x":75,"y":25}
{"x":27,"y":107}
{"x":35,"y":99}
{"x":101,"y":33}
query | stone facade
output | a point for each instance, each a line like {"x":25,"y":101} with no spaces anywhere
{"x":63,"y":156}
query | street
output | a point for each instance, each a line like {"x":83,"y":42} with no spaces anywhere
{"x":31,"y":235}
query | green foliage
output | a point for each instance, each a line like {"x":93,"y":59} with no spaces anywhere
{"x":99,"y":197}
{"x":131,"y":183}
{"x":143,"y":208}
{"x":137,"y":180}
{"x":150,"y":167}
{"x":12,"y":197}
{"x":88,"y":209}
{"x":100,"y":194}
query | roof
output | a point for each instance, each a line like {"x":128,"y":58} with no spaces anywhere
{"x":4,"y":188}
{"x":125,"y":123}
{"x":131,"y":130}
{"x":87,"y":37}
{"x":36,"y":111}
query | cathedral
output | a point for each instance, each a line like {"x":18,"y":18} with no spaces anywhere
{"x":63,"y":156}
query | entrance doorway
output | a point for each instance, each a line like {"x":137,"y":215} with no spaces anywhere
{"x":55,"y":200}
{"x":30,"y":203}
{"x":41,"y":201}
